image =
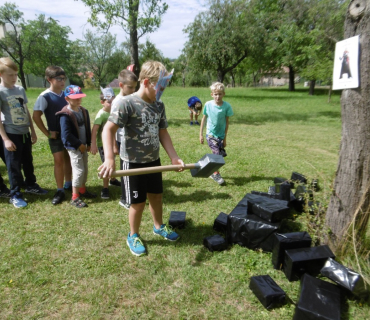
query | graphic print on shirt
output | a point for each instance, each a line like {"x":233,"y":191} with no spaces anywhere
{"x":150,"y":128}
{"x":17,"y":110}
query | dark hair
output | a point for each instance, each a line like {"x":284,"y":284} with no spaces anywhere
{"x":54,"y":71}
{"x":102,"y":97}
{"x":126,"y":75}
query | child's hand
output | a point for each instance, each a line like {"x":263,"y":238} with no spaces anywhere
{"x":9,"y":145}
{"x":201,"y":139}
{"x":107,"y":168}
{"x":33,"y":137}
{"x":82,"y":148}
{"x":178,"y":161}
{"x":53,"y":134}
{"x":93,"y":149}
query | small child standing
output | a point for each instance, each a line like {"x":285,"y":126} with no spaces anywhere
{"x":14,"y":129}
{"x":106,"y":97}
{"x":143,"y":117}
{"x":49,"y":103}
{"x":76,"y":136}
{"x":216,"y":113}
{"x":127,"y":84}
{"x":195,"y":107}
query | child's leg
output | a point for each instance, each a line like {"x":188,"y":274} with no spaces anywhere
{"x":13,"y":161}
{"x":156,"y":208}
{"x":59,"y":168}
{"x":27,"y":161}
{"x":85,"y":170}
{"x":67,"y":167}
{"x":77,"y":172}
{"x":134,"y":217}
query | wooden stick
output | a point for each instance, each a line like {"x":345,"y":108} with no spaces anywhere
{"x":135,"y":172}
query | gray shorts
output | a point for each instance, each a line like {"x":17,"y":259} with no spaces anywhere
{"x":79,"y":166}
{"x":56,"y":145}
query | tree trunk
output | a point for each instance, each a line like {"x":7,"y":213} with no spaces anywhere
{"x":291,"y":79}
{"x":134,"y":41}
{"x":351,"y":186}
{"x":312,"y":87}
{"x":22,"y":76}
{"x":329,"y":94}
{"x":220,"y":76}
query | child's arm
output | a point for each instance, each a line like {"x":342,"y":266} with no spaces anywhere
{"x":8,"y":144}
{"x":94,"y":132}
{"x":226,"y":129}
{"x":192,"y":110}
{"x":33,"y":132}
{"x":201,"y":139}
{"x":165,"y":139}
{"x":108,"y":136}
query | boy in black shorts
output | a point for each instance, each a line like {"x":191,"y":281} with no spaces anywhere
{"x":143,"y":118}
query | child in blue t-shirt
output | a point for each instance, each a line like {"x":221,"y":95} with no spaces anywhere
{"x":195,"y":107}
{"x":216,"y":113}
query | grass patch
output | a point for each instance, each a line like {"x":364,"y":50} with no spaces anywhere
{"x":61,"y":262}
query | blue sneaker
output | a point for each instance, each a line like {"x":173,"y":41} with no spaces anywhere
{"x":17,"y":200}
{"x":135,"y":244}
{"x":35,"y":189}
{"x":166,"y":232}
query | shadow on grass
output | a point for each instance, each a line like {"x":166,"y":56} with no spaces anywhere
{"x":241,"y":181}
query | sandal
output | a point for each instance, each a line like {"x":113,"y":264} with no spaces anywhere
{"x":78,"y":203}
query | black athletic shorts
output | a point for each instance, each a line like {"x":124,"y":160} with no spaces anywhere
{"x":136,"y":187}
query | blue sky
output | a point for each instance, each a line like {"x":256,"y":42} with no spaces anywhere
{"x":169,"y":38}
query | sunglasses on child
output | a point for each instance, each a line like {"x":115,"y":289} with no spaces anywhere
{"x":60,"y":79}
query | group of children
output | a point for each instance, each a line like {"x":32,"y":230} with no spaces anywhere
{"x":132,"y":125}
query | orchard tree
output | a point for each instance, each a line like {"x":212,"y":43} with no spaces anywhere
{"x":350,"y":203}
{"x":118,"y":61}
{"x":21,"y":39}
{"x":54,"y":48}
{"x":218,"y":38}
{"x":98,"y":49}
{"x":136,"y":18}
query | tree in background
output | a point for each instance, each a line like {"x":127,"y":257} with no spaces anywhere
{"x":218,"y":38}
{"x":54,"y":48}
{"x":118,"y":61}
{"x":327,"y":20}
{"x":22,"y":40}
{"x":136,"y":18}
{"x":349,"y":207}
{"x":98,"y":50}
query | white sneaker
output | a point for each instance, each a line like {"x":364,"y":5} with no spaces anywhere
{"x":217,"y":177}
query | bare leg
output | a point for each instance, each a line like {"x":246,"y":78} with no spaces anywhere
{"x":59,"y":168}
{"x":134,"y":216}
{"x":156,"y":208}
{"x":67,"y":167}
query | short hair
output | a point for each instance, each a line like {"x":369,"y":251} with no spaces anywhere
{"x":217,"y":86}
{"x":152,"y":70}
{"x":54,"y":71}
{"x":127,"y":75}
{"x":6,"y":62}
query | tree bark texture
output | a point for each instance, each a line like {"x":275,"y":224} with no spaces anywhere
{"x":291,"y":79}
{"x":353,"y":172}
{"x":312,"y":87}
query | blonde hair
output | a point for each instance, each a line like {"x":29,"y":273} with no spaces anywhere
{"x":7,"y":63}
{"x":217,"y":86}
{"x":151,"y":70}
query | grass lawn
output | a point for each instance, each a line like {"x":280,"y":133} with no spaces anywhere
{"x":59,"y":262}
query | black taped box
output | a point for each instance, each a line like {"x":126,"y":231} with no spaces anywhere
{"x":346,"y":278}
{"x":177,"y":219}
{"x":220,"y":223}
{"x":215,"y":243}
{"x":298,"y":177}
{"x":305,"y":260}
{"x":318,"y":300}
{"x":271,"y":210}
{"x":267,"y":291}
{"x":285,"y":241}
{"x":249,"y":230}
